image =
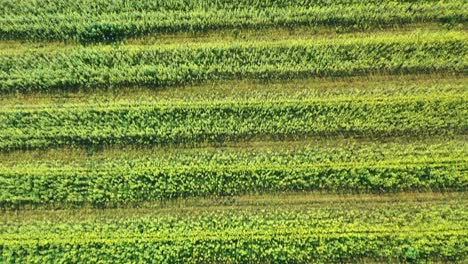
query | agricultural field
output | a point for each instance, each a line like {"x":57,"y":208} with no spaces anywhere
{"x":249,"y":131}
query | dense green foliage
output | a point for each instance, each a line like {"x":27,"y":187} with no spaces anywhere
{"x":107,"y":21}
{"x":249,"y":131}
{"x":291,"y":248}
{"x":199,"y":172}
{"x":430,"y":227}
{"x":104,"y":66}
{"x":230,"y":121}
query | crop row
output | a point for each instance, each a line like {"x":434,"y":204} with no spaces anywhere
{"x":250,"y":249}
{"x":187,"y":124}
{"x":134,"y":183}
{"x":107,"y":21}
{"x":290,"y":153}
{"x":105,"y":66}
{"x":308,"y":211}
{"x":127,"y":176}
{"x":270,"y":248}
{"x":370,"y":87}
{"x":405,"y":230}
{"x":318,"y":214}
{"x":119,"y":6}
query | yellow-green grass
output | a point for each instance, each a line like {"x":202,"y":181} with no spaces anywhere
{"x":277,"y":34}
{"x":426,"y":148}
{"x":371,"y":86}
{"x":271,"y":37}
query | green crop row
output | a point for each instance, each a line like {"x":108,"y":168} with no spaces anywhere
{"x":19,"y":7}
{"x":186,"y":124}
{"x":127,"y":184}
{"x":125,"y":176}
{"x":428,"y":212}
{"x":290,"y":153}
{"x":250,"y":249}
{"x":332,"y":89}
{"x":105,"y":66}
{"x":131,"y":176}
{"x":108,"y":21}
{"x":427,"y":228}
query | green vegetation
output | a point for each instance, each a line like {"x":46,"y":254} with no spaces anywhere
{"x":295,"y":228}
{"x":176,"y":124}
{"x":319,"y":89}
{"x":122,"y":176}
{"x":105,"y":66}
{"x":250,"y":131}
{"x":108,"y":21}
{"x":217,"y":114}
